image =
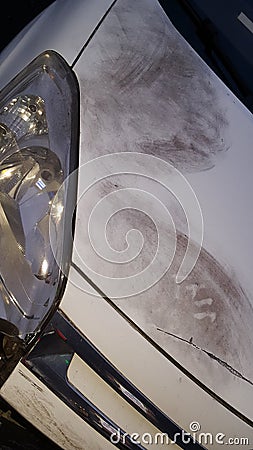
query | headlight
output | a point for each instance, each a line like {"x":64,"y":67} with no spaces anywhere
{"x":39,"y":123}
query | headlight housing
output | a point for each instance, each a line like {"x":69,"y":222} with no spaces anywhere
{"x":39,"y":129}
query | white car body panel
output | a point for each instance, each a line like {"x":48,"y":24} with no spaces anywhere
{"x":143,"y":89}
{"x":46,"y":411}
{"x":108,"y":401}
{"x":64,"y":26}
{"x":158,"y":378}
{"x":161,"y":98}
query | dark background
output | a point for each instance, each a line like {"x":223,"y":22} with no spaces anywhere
{"x":16,"y":14}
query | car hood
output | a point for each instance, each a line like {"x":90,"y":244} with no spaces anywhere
{"x":160,"y":133}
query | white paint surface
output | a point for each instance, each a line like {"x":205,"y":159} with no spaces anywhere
{"x":108,"y":401}
{"x":64,"y":27}
{"x":173,"y":392}
{"x":33,"y":400}
{"x":246,"y":21}
{"x":144,"y":89}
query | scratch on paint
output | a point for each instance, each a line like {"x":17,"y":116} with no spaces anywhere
{"x":211,"y":355}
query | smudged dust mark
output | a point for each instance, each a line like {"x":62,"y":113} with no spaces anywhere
{"x":151,"y":91}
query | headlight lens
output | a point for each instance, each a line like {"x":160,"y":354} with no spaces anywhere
{"x":39,"y":123}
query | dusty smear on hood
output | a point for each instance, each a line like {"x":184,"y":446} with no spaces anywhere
{"x":144,"y":89}
{"x":206,"y":321}
{"x":207,"y":313}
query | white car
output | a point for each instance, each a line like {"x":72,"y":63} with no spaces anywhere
{"x":126,"y":244}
